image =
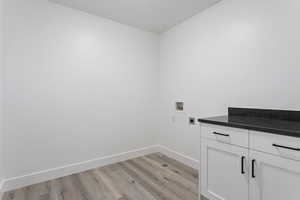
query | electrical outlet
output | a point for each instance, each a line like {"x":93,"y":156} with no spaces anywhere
{"x":192,"y":120}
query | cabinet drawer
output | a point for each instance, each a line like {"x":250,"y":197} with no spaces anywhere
{"x":224,"y":134}
{"x":283,"y":146}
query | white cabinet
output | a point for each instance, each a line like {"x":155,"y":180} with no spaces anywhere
{"x":234,"y":136}
{"x":224,"y":172}
{"x":275,"y":178}
{"x":274,"y":144}
{"x":267,"y":169}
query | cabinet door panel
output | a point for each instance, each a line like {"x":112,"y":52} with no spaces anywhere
{"x":222,"y":177}
{"x":276,"y":178}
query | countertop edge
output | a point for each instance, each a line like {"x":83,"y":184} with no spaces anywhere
{"x":252,"y":128}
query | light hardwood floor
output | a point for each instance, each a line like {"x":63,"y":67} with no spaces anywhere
{"x":152,"y":177}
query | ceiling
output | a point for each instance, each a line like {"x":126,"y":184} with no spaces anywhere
{"x":151,"y":15}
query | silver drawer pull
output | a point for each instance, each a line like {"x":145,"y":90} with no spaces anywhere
{"x":222,"y":134}
{"x":285,"y":147}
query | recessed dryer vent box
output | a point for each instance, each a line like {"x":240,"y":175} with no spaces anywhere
{"x":179,"y":106}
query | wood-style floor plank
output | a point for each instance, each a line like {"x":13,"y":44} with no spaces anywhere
{"x":170,"y":181}
{"x":175,"y":180}
{"x":152,"y":177}
{"x":175,"y":167}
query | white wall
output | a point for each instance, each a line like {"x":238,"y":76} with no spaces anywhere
{"x":1,"y":84}
{"x":237,"y":53}
{"x":77,"y":87}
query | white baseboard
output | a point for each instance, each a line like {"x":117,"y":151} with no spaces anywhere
{"x":46,"y":175}
{"x":1,"y":191}
{"x":191,"y":162}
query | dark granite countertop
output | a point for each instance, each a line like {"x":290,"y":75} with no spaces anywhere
{"x":270,"y":121}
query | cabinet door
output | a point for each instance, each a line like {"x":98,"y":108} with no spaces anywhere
{"x":274,"y":177}
{"x":224,"y":171}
